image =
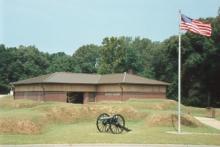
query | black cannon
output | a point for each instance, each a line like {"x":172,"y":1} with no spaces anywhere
{"x":114,"y":124}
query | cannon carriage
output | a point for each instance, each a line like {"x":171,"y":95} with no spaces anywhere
{"x":114,"y":124}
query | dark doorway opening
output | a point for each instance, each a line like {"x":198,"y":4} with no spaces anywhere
{"x":75,"y":97}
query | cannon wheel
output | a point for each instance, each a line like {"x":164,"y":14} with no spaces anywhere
{"x":102,"y":125}
{"x":118,"y":125}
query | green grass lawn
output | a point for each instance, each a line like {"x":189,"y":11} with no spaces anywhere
{"x":69,"y":123}
{"x":86,"y":132}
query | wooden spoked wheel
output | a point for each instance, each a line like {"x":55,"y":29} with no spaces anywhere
{"x":102,"y":123}
{"x":118,"y":124}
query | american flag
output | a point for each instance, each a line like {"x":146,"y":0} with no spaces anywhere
{"x":195,"y":26}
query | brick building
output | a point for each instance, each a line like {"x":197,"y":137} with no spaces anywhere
{"x":83,"y":88}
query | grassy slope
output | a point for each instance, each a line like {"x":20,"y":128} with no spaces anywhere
{"x":78,"y":126}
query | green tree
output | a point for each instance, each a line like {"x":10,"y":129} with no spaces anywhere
{"x":86,"y":58}
{"x":118,"y":55}
{"x":5,"y":60}
{"x":144,"y":49}
{"x":60,"y":62}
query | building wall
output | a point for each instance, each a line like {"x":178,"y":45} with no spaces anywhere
{"x":109,"y":88}
{"x":144,"y":88}
{"x":123,"y":92}
{"x":130,"y":88}
{"x":105,"y":96}
{"x":55,"y":96}
{"x":41,"y":96}
{"x":116,"y":92}
{"x":56,"y":87}
{"x":128,"y":95}
{"x":29,"y":87}
{"x":35,"y":95}
{"x":50,"y":92}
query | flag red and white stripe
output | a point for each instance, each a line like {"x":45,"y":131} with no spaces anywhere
{"x":195,"y":26}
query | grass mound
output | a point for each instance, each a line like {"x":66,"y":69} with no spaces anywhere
{"x":153,"y":104}
{"x":30,"y":117}
{"x":72,"y":113}
{"x":170,"y":119}
{"x":19,"y":126}
{"x":129,"y":112}
{"x":8,"y":102}
{"x":68,"y":113}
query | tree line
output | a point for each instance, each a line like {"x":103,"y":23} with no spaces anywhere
{"x":156,"y":60}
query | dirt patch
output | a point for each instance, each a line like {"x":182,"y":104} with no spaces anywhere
{"x":19,"y":126}
{"x":171,"y":120}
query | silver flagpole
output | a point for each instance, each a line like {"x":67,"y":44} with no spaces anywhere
{"x":179,"y":76}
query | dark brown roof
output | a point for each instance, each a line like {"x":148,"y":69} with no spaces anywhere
{"x":63,"y":77}
{"x":81,"y":78}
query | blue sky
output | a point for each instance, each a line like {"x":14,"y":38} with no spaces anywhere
{"x":65,"y":25}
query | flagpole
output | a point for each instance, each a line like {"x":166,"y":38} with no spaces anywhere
{"x":179,"y":77}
